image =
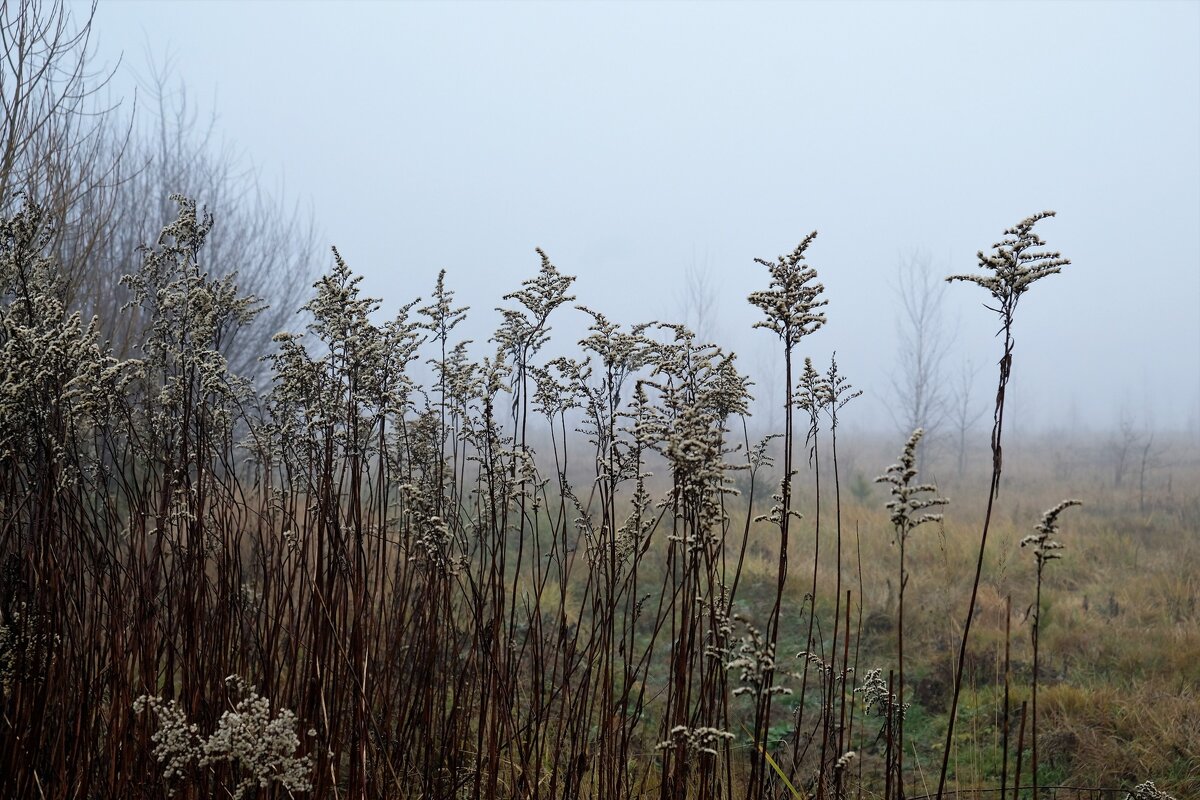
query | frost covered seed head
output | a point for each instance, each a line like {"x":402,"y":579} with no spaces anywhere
{"x":1044,"y":548}
{"x":790,"y":303}
{"x":1014,"y":264}
{"x":261,"y":746}
{"x":1148,"y":791}
{"x":910,"y":500}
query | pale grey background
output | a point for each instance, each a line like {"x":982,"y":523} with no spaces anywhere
{"x":634,"y":140}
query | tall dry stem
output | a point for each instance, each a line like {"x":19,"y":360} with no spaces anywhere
{"x":1014,"y":265}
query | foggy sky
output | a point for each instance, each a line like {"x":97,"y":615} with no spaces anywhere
{"x":633,"y":141}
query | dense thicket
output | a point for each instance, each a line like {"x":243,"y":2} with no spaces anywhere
{"x":353,"y":581}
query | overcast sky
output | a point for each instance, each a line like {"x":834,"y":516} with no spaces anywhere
{"x":635,"y":141}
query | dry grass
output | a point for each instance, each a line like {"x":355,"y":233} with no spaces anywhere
{"x":531,"y":578}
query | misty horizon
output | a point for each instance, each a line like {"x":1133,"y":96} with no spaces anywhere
{"x":641,"y":144}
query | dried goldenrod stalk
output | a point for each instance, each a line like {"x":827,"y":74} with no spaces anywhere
{"x":1016,"y":262}
{"x":1045,"y":550}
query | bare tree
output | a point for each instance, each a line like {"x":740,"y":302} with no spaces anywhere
{"x":1122,"y":445}
{"x":50,"y":115}
{"x":105,"y":179}
{"x":767,"y":369}
{"x":272,"y":247}
{"x":1150,"y":460}
{"x":697,"y":301}
{"x":964,"y":413}
{"x":64,"y":143}
{"x":922,"y":342}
